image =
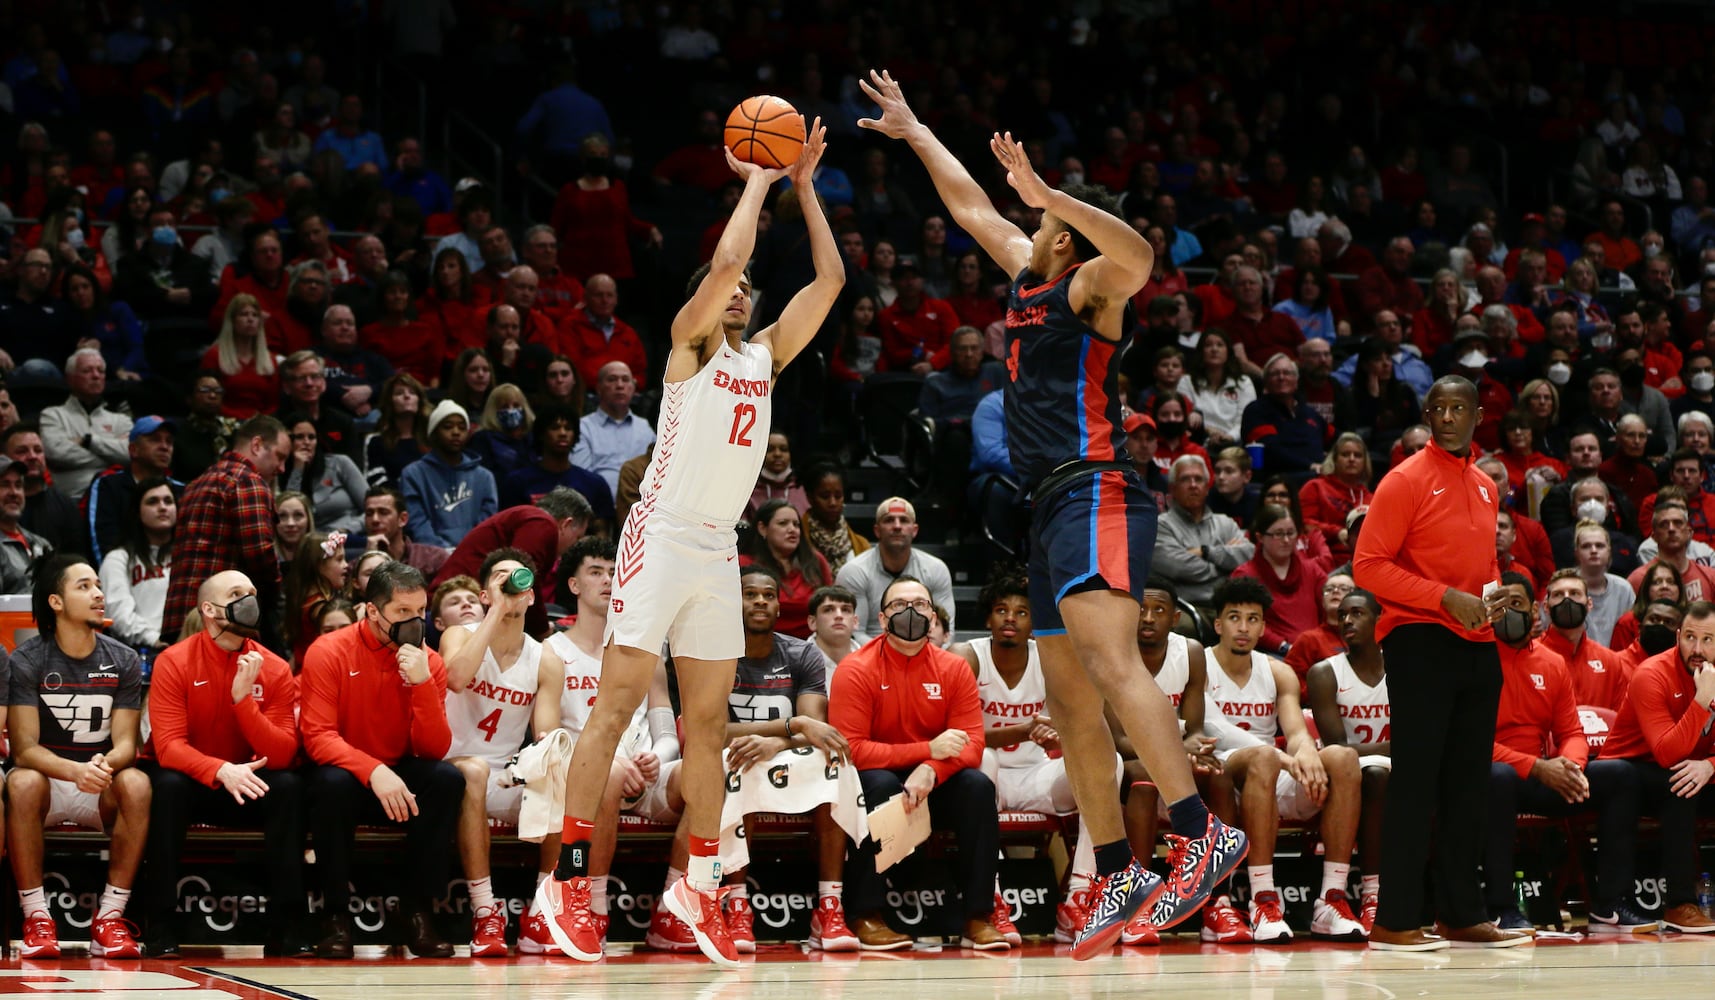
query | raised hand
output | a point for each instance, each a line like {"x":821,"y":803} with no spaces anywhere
{"x":897,"y":119}
{"x":750,"y":170}
{"x":1032,"y":190}
{"x":803,"y":172}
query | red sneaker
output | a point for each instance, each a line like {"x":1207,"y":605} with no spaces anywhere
{"x":1223,"y":923}
{"x":1140,"y":932}
{"x":41,"y":938}
{"x":701,"y":911}
{"x":1367,"y":911}
{"x":741,"y":924}
{"x":669,"y":933}
{"x":1001,"y":919}
{"x":488,"y":934}
{"x":115,"y":937}
{"x":1070,"y":915}
{"x":533,"y":935}
{"x":600,"y":928}
{"x":565,"y":905}
{"x":828,"y":930}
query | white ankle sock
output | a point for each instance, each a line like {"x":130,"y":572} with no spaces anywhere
{"x":113,"y":900}
{"x":481,"y":894}
{"x":1370,"y":886}
{"x":1335,"y":876}
{"x":1262,"y":879}
{"x":826,"y":889}
{"x":673,"y":875}
{"x":598,"y":895}
{"x":33,"y":901}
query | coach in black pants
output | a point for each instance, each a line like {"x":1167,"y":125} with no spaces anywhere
{"x":963,"y":804}
{"x":1427,"y":552}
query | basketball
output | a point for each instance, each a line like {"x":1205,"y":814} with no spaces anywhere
{"x":765,"y":131}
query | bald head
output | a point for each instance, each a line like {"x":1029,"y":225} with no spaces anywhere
{"x":522,"y":284}
{"x":601,"y":296}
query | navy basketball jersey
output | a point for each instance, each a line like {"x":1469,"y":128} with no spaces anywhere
{"x":1063,"y":399}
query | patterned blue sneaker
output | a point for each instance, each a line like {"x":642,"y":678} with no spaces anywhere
{"x":1195,"y":868}
{"x":1113,"y":900}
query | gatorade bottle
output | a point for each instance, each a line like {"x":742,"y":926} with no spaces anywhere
{"x":1705,"y":895}
{"x":518,"y":581}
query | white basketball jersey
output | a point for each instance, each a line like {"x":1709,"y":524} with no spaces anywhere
{"x":583,"y":678}
{"x":711,"y":436}
{"x":1009,"y":706}
{"x":1364,"y":709}
{"x":1251,"y":707}
{"x":490,"y":718}
{"x":1175,"y":670}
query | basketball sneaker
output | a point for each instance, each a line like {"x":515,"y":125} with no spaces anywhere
{"x":701,"y":911}
{"x":1070,"y":915}
{"x":1139,"y":931}
{"x":1115,"y":898}
{"x":41,"y":938}
{"x":488,"y":934}
{"x":1223,"y":923}
{"x":533,"y":936}
{"x":1001,"y":920}
{"x":1195,"y":867}
{"x":741,"y":924}
{"x":669,"y":933}
{"x":565,"y":905}
{"x":1332,"y":918}
{"x":114,"y":937}
{"x":1367,"y":907}
{"x":828,"y":930}
{"x":1268,"y":921}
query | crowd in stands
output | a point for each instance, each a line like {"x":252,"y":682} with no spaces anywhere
{"x":243,"y":330}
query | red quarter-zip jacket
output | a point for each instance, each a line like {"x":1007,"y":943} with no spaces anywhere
{"x":1661,"y":718}
{"x":889,"y":706}
{"x":1431,"y":526}
{"x":194,"y":726}
{"x":1537,"y":716}
{"x":358,"y":712}
{"x":1599,"y":675}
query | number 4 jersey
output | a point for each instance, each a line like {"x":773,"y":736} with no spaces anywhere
{"x":490,"y":718}
{"x":75,"y":699}
{"x":711,"y":436}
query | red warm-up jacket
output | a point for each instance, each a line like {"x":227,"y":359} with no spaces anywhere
{"x":1537,"y":717}
{"x":889,"y":706}
{"x":194,"y":726}
{"x":1661,"y":718}
{"x":1431,"y":526}
{"x":359,"y":714}
{"x":1599,"y":675}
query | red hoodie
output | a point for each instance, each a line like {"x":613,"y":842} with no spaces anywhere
{"x":1431,"y":526}
{"x":1297,"y":606}
{"x":889,"y":706}
{"x":1537,"y":716}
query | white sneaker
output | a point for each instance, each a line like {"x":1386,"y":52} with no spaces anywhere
{"x":1332,"y":918}
{"x":1268,"y":921}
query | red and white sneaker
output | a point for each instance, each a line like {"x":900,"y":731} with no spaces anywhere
{"x":1367,"y":907}
{"x":600,"y":928}
{"x":701,"y":911}
{"x":1070,"y":915}
{"x":1223,"y":923}
{"x":741,"y":924}
{"x":1140,"y":932}
{"x":533,"y":936}
{"x":1001,"y":920}
{"x":114,"y":937}
{"x":488,"y":934}
{"x":828,"y":930}
{"x":1332,"y":918}
{"x":1268,"y":919}
{"x":41,"y":938}
{"x":669,"y":933}
{"x":565,"y":905}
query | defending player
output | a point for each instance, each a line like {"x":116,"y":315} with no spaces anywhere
{"x":493,"y":681}
{"x":676,"y":578}
{"x":1093,"y":520}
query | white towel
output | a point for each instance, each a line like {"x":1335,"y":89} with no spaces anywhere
{"x":792,"y":781}
{"x":541,"y":769}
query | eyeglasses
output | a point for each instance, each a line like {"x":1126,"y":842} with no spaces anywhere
{"x":1283,"y":535}
{"x":921,"y":604}
{"x":210,"y":390}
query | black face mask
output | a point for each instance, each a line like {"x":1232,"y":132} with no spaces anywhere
{"x":243,"y":616}
{"x":1632,"y":377}
{"x":598,"y":166}
{"x":1170,"y":428}
{"x":1513,"y":628}
{"x":408,"y":632}
{"x":1656,"y":638}
{"x":908,"y":624}
{"x":1567,"y":614}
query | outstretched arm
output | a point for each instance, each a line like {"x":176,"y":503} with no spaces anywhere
{"x":803,"y":316}
{"x":971,"y":208}
{"x":700,"y":317}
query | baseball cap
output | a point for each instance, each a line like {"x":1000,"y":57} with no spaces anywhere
{"x":146,"y":426}
{"x":906,"y":262}
{"x":1534,"y":217}
{"x":6,"y":463}
{"x":1136,"y":420}
{"x":1464,"y":335}
{"x":465,"y":184}
{"x":895,"y":505}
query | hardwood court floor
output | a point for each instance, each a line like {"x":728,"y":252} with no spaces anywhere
{"x":1635,"y":969}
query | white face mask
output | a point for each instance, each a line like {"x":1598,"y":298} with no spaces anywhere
{"x":75,"y":238}
{"x":1702,"y":381}
{"x":1473,"y":359}
{"x":1602,"y":341}
{"x":1593,"y":510}
{"x":1652,"y":249}
{"x":1560,"y":373}
{"x":1073,"y":177}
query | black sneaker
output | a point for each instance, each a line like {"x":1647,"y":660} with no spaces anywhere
{"x":1620,"y":919}
{"x":1513,"y":920}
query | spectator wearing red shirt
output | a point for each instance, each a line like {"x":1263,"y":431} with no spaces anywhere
{"x":1518,"y":452}
{"x":593,"y":219}
{"x":1388,"y":285}
{"x":1671,"y":533}
{"x":1627,"y":471}
{"x":240,"y":353}
{"x":1599,"y":675}
{"x":1112,"y":169}
{"x":1662,"y":360}
{"x":1257,"y":331}
{"x":557,"y":293}
{"x":1685,"y":471}
{"x":973,"y":299}
{"x":1619,"y":251}
{"x":915,"y":724}
{"x":916,"y":331}
{"x":1294,"y":581}
{"x":701,"y":163}
{"x":594,"y":337}
{"x":1542,"y":766}
{"x":450,"y":307}
{"x":1217,"y":296}
{"x":1664,"y":733}
{"x":263,"y":275}
{"x":1342,"y":487}
{"x":1317,"y":644}
{"x":1532,"y":551}
{"x":223,"y":742}
{"x":1273,"y":193}
{"x":409,"y":342}
{"x":375,"y":725}
{"x":488,"y":284}
{"x":778,"y":548}
{"x":1492,"y":291}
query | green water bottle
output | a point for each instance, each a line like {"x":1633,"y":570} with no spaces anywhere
{"x":1518,"y":894}
{"x":518,"y":581}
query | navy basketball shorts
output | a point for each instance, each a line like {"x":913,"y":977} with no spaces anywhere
{"x":1096,"y":534}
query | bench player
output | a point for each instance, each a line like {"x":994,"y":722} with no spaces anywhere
{"x":493,"y":682}
{"x":676,"y":577}
{"x":1093,"y":519}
